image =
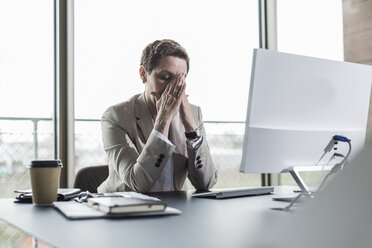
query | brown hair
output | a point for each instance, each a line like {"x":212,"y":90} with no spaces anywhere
{"x":154,"y":51}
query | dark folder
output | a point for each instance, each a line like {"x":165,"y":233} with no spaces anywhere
{"x":64,"y":194}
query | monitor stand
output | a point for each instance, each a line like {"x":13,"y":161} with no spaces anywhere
{"x":295,"y":172}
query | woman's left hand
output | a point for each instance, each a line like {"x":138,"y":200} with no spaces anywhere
{"x":185,"y":113}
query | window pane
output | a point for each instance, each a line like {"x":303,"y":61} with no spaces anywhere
{"x":218,"y":35}
{"x":26,"y":89}
{"x":312,"y":28}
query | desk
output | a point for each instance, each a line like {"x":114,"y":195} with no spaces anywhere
{"x":203,"y":223}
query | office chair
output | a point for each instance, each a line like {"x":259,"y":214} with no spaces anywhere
{"x":89,"y":178}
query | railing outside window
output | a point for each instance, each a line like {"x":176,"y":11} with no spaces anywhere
{"x":22,"y":139}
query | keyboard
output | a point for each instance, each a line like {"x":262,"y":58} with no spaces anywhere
{"x":234,"y":192}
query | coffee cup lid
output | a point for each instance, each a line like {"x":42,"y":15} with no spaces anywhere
{"x":45,"y":163}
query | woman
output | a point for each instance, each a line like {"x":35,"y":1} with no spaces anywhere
{"x":156,"y":139}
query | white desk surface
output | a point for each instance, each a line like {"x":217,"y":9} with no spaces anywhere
{"x":203,"y":223}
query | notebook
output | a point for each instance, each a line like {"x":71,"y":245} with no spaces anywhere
{"x":235,"y":192}
{"x":119,"y":205}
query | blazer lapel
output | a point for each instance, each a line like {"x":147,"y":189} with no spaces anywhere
{"x":145,"y":123}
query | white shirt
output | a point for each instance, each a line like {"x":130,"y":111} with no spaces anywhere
{"x":165,"y":180}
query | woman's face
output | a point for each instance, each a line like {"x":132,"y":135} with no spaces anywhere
{"x":167,"y":68}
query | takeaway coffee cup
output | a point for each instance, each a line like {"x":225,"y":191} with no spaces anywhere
{"x":44,"y":181}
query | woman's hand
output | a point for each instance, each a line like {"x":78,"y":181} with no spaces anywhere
{"x":185,"y":112}
{"x":168,"y":104}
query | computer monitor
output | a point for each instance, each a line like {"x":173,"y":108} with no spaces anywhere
{"x":297,"y":104}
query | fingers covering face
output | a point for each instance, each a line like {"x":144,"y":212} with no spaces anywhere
{"x":176,"y":86}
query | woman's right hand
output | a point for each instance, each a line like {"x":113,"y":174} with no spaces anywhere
{"x":168,"y":104}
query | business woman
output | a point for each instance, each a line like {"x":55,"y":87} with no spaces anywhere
{"x":156,"y":139}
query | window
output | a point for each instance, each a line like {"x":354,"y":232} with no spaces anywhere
{"x":312,"y":28}
{"x":26,"y":89}
{"x":26,"y":97}
{"x":219,"y":37}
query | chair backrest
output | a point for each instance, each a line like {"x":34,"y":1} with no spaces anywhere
{"x":89,"y":178}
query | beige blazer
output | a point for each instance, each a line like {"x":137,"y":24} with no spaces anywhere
{"x":136,"y":157}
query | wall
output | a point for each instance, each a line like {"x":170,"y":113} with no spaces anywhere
{"x":357,"y":17}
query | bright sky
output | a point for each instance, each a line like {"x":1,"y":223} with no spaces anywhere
{"x":218,"y":35}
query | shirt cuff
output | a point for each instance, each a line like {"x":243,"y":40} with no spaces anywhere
{"x":161,"y":136}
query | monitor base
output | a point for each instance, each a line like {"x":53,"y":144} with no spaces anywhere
{"x":288,"y":199}
{"x":295,"y":173}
